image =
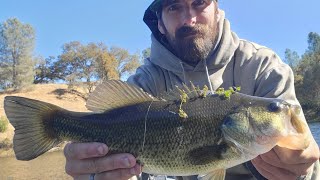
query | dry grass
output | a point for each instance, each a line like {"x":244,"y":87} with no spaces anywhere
{"x":57,"y":94}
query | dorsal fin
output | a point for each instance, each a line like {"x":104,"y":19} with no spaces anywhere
{"x":174,"y":94}
{"x":195,"y":90}
{"x":114,"y":94}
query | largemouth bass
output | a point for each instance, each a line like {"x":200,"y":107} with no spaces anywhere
{"x":186,"y":133}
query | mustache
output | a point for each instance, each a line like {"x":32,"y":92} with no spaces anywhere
{"x":188,"y":30}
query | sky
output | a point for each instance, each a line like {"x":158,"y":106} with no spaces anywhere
{"x":278,"y":24}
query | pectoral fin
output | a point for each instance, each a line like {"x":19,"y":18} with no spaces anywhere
{"x":214,"y":175}
{"x":207,"y":154}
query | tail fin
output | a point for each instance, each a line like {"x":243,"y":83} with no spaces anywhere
{"x":31,"y":120}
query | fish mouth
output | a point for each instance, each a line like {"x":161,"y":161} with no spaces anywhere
{"x":297,"y":135}
{"x":297,"y":119}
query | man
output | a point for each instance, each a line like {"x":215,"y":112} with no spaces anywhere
{"x":192,"y":41}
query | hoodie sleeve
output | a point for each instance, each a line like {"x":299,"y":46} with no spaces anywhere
{"x":260,"y":72}
{"x":142,"y":80}
{"x":275,"y":79}
{"x":151,"y":78}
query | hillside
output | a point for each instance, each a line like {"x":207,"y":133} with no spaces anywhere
{"x":57,"y":94}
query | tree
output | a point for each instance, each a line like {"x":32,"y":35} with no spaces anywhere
{"x":88,"y":64}
{"x":17,"y":42}
{"x":44,"y":72}
{"x":307,"y":77}
{"x":107,"y":66}
{"x":313,"y":42}
{"x":77,"y":64}
{"x":146,"y":53}
{"x":311,"y":57}
{"x":291,"y":58}
{"x":126,"y":63}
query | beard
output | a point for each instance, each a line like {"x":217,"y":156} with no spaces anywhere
{"x":193,"y":44}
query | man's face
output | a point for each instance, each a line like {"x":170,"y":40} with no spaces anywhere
{"x":190,"y":27}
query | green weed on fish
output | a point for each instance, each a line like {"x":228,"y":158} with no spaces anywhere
{"x":184,"y":97}
{"x":227,"y":93}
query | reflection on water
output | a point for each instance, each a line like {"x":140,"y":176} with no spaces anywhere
{"x":48,"y":166}
{"x":51,"y":165}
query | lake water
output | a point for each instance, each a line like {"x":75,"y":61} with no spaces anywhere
{"x":51,"y":165}
{"x":315,"y":129}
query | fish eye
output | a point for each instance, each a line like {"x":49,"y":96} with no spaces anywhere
{"x":275,"y":107}
{"x":228,"y":122}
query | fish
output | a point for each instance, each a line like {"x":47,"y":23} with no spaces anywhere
{"x":180,"y":133}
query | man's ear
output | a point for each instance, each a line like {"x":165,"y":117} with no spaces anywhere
{"x":218,"y":14}
{"x":161,"y":27}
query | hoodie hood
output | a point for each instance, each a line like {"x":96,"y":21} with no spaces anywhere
{"x":226,"y":44}
{"x":151,"y":20}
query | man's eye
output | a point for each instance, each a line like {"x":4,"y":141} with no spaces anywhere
{"x":200,"y":3}
{"x":174,"y":7}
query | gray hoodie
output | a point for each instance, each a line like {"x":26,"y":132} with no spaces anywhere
{"x":232,"y":62}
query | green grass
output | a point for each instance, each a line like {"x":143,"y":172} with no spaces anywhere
{"x":3,"y":124}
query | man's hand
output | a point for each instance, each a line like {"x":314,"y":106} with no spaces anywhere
{"x":286,"y":164}
{"x":83,"y":159}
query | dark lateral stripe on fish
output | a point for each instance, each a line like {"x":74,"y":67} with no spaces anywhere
{"x":208,"y":154}
{"x":32,"y":138}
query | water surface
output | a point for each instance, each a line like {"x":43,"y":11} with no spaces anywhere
{"x":315,"y":129}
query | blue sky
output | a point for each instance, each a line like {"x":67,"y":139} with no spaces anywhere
{"x":278,"y":24}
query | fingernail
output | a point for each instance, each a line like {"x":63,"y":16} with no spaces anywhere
{"x":101,"y":150}
{"x":126,"y":161}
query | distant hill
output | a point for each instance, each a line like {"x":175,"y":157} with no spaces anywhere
{"x":57,"y":94}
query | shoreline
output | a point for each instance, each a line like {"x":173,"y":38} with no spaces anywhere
{"x":313,"y":121}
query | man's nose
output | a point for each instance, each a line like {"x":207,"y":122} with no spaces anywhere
{"x":190,"y":18}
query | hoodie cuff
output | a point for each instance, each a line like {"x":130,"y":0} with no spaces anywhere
{"x":254,"y":171}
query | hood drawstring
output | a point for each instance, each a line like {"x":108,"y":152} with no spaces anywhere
{"x":184,"y":74}
{"x":207,"y":74}
{"x":208,"y":77}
